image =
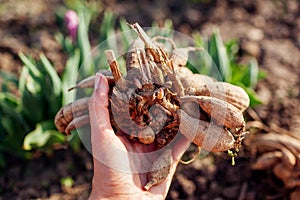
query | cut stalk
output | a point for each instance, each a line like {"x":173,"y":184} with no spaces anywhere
{"x":115,"y":69}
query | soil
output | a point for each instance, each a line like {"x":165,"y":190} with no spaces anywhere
{"x":268,"y":30}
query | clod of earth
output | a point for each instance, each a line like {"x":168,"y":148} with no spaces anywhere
{"x":160,"y":97}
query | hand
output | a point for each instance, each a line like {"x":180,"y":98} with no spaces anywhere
{"x":117,"y":159}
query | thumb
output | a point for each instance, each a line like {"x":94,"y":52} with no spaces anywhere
{"x":107,"y":149}
{"x":98,"y":110}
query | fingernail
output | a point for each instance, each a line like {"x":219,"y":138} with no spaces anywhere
{"x":97,"y":81}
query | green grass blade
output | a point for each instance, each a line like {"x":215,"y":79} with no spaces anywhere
{"x":254,"y":99}
{"x":69,"y":77}
{"x":84,"y":43}
{"x":7,"y":80}
{"x":65,"y":42}
{"x":204,"y":62}
{"x":52,"y":87}
{"x":254,"y":71}
{"x":22,"y":80}
{"x":31,"y":66}
{"x":107,"y":30}
{"x":107,"y":26}
{"x":127,"y":33}
{"x":56,"y":82}
{"x":239,"y":72}
{"x":31,"y":96}
{"x":219,"y":55}
{"x":10,"y":107}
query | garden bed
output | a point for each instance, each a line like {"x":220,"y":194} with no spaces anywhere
{"x":267,"y":30}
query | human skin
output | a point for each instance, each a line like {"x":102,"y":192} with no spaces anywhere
{"x":110,"y":182}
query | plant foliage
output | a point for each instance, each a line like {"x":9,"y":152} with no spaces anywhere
{"x":27,"y":115}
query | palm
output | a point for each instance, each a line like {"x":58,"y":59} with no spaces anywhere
{"x":120,"y":182}
{"x":120,"y":165}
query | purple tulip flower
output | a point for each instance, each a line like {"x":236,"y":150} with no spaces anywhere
{"x":72,"y":21}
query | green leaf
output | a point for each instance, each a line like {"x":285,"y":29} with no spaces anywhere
{"x":7,"y":80}
{"x":8,"y":125}
{"x":232,"y":49}
{"x":253,"y":73}
{"x":32,"y":76}
{"x":8,"y":77}
{"x":31,"y":66}
{"x":9,"y":98}
{"x":261,"y":74}
{"x":165,"y":30}
{"x":239,"y":72}
{"x":254,"y":99}
{"x":33,"y":86}
{"x":219,"y":55}
{"x":107,"y":30}
{"x":168,"y":24}
{"x":202,"y":63}
{"x":90,"y":7}
{"x":52,"y":87}
{"x":44,"y":135}
{"x":31,"y":97}
{"x":83,"y":42}
{"x":69,"y":77}
{"x":127,"y":34}
{"x":248,"y":75}
{"x":56,"y":83}
{"x":22,"y":80}
{"x":65,"y":42}
{"x":10,"y":109}
{"x":198,"y":39}
{"x":107,"y":25}
{"x":224,"y":57}
{"x":32,"y":106}
{"x":13,"y":136}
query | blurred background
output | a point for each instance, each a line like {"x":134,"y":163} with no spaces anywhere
{"x":42,"y":47}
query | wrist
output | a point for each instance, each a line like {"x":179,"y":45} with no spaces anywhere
{"x":137,"y":196}
{"x":96,"y":195}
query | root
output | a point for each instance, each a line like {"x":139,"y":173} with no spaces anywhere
{"x":160,"y":169}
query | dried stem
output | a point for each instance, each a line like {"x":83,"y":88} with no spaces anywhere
{"x":111,"y":59}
